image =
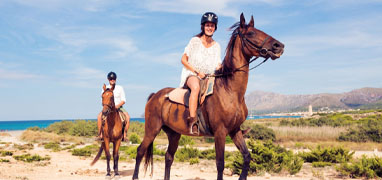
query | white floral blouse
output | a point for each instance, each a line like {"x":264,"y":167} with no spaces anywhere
{"x":203,"y":59}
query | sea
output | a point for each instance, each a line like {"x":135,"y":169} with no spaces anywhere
{"x":25,"y":124}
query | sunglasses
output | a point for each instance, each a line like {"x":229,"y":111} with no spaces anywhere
{"x":111,"y":79}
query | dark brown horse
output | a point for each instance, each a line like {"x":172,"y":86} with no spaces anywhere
{"x":224,"y":111}
{"x":111,"y":130}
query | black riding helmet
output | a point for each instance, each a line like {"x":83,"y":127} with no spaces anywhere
{"x":111,"y":76}
{"x":210,"y":17}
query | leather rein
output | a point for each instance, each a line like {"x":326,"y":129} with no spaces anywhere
{"x":247,"y":42}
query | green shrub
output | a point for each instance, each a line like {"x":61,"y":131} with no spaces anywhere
{"x":267,"y":157}
{"x":134,"y":138}
{"x":6,"y":153}
{"x":293,"y":164}
{"x":4,"y":160}
{"x":53,"y":146}
{"x":208,"y":154}
{"x":333,"y":120}
{"x":209,"y":140}
{"x":31,"y":158}
{"x":364,"y":167}
{"x":84,"y":128}
{"x":85,"y":151}
{"x":81,"y":152}
{"x":137,"y":127}
{"x":186,"y":153}
{"x":74,"y":128}
{"x":369,"y":130}
{"x":130,"y":151}
{"x":186,"y":140}
{"x":260,"y":132}
{"x":61,"y":127}
{"x":194,"y":161}
{"x":321,"y":164}
{"x":28,"y":146}
{"x":34,"y":128}
{"x":333,"y":155}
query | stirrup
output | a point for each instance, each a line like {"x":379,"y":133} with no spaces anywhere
{"x":192,"y":128}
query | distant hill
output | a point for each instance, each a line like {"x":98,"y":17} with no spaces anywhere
{"x":267,"y":102}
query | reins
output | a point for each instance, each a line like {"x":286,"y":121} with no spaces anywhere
{"x":260,"y":49}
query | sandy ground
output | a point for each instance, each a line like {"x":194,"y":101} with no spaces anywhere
{"x":63,"y":166}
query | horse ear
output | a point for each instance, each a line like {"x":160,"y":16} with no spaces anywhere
{"x":242,"y":20}
{"x":104,"y":87}
{"x":112,"y":87}
{"x":251,"y":22}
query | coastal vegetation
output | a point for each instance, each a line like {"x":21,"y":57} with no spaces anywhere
{"x":276,"y":145}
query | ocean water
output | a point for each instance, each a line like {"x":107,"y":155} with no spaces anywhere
{"x":22,"y":125}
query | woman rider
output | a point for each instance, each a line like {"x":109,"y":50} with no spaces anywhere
{"x":201,"y":56}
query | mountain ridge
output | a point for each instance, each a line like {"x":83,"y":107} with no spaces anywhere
{"x":265,"y":102}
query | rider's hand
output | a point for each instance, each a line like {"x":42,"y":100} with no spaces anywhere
{"x":201,"y":75}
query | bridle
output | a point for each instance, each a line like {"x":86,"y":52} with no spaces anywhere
{"x":247,"y":42}
{"x":109,"y":106}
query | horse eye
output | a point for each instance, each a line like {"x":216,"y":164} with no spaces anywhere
{"x":250,"y":34}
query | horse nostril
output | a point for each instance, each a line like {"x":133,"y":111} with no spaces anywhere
{"x":276,"y":45}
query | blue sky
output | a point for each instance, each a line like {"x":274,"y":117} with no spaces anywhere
{"x":55,"y":54}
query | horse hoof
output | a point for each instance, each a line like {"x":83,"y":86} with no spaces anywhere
{"x":116,"y":177}
{"x":108,"y":176}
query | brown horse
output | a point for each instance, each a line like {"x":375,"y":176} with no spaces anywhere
{"x":112,"y":130}
{"x":225,"y":110}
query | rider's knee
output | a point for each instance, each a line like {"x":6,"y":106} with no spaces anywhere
{"x":195,"y":88}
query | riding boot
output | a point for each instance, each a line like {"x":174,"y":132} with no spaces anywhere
{"x":194,"y":128}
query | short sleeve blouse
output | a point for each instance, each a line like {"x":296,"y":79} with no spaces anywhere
{"x":203,"y":59}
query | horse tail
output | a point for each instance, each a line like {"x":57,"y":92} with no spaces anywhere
{"x":151,"y":95}
{"x":245,"y":131}
{"x":149,"y":158}
{"x":98,"y":155}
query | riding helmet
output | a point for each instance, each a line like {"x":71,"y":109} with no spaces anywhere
{"x":210,"y":17}
{"x":111,"y":76}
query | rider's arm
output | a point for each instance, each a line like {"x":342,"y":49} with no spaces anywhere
{"x":123,"y":98}
{"x":189,"y":67}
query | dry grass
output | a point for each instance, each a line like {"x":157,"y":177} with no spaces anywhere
{"x":355,"y":146}
{"x":4,"y":134}
{"x":307,"y":134}
{"x":38,"y":136}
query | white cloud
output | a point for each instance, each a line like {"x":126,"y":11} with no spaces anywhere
{"x":17,"y":75}
{"x":74,"y":40}
{"x":83,"y":77}
{"x":16,"y":71}
{"x":86,"y":5}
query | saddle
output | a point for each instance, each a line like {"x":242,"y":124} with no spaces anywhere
{"x":182,"y":95}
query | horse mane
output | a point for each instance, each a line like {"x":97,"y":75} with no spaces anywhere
{"x":227,"y":64}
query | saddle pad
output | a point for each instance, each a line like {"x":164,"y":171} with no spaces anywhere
{"x":123,"y":117}
{"x":206,"y":88}
{"x":179,"y":95}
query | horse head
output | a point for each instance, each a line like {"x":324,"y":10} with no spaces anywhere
{"x":107,"y":100}
{"x":257,"y":43}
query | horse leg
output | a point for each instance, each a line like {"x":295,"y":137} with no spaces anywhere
{"x":107,"y":154}
{"x":238,"y":139}
{"x":150,"y":134}
{"x":219,"y":149}
{"x":173,"y":140}
{"x":116,"y":156}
